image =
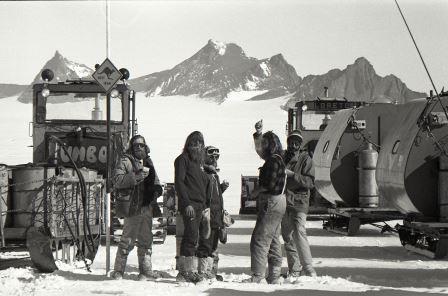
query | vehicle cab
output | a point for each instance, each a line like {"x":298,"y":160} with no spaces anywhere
{"x":311,"y":117}
{"x":75,"y":112}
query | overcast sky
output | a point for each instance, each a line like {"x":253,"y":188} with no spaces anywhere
{"x":148,"y":36}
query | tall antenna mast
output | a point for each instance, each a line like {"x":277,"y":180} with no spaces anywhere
{"x":108,"y":195}
{"x":107,"y":29}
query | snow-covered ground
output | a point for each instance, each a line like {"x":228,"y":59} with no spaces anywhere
{"x":371,"y":262}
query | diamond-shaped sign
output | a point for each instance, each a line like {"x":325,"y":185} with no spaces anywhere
{"x":107,"y":75}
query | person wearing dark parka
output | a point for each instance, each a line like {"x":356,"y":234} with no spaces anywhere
{"x":191,"y":184}
{"x":135,"y":180}
{"x":208,"y":248}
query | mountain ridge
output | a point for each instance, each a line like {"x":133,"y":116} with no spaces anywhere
{"x":219,"y":68}
{"x":216,"y":70}
{"x":357,"y":82}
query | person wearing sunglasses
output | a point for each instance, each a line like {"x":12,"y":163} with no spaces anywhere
{"x":207,"y":250}
{"x":192,"y":188}
{"x":136,"y":183}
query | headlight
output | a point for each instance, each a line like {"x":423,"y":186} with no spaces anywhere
{"x":45,"y":92}
{"x":304,"y":107}
{"x":114,"y":93}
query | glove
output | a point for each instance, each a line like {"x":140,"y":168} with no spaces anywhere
{"x":224,"y":185}
{"x":142,"y":174}
{"x":189,"y":212}
{"x":259,"y":127}
{"x":223,"y":235}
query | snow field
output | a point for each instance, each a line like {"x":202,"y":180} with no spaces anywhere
{"x":370,"y":262}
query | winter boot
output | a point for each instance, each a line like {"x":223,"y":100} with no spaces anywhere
{"x":214,"y":268}
{"x":210,"y":274}
{"x":205,"y":268}
{"x":255,"y":278}
{"x":190,"y":274}
{"x":274,"y":275}
{"x":202,"y":265}
{"x":308,"y":271}
{"x":145,"y":268}
{"x":120,"y":263}
{"x":181,"y":267}
{"x":292,"y":276}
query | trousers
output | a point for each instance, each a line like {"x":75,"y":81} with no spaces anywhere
{"x":265,"y":241}
{"x":137,"y":230}
{"x":297,"y":248}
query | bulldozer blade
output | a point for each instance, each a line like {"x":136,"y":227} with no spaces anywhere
{"x":38,"y":244}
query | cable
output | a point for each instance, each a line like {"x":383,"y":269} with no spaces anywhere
{"x":426,"y":69}
{"x":76,"y":239}
{"x":83,"y":200}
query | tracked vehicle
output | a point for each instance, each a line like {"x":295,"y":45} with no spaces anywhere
{"x":412,"y":174}
{"x":345,"y":160}
{"x":311,"y":118}
{"x":56,"y":203}
{"x":384,"y":162}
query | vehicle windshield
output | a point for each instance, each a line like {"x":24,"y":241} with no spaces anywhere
{"x":316,"y":120}
{"x":89,"y":106}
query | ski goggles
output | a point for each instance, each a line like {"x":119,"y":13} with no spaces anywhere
{"x":213,"y":152}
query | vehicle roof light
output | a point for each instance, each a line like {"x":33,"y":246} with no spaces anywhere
{"x":47,"y":75}
{"x":125,"y":73}
{"x":114,"y":93}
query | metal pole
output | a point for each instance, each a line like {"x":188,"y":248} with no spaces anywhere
{"x":134,"y":131}
{"x":108,"y":163}
{"x":1,"y":215}
{"x":107,"y":29}
{"x":107,"y":216}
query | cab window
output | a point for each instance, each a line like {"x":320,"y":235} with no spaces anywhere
{"x":75,"y":106}
{"x":316,"y":120}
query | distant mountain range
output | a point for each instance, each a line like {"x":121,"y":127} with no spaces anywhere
{"x":220,"y":68}
{"x":9,"y":90}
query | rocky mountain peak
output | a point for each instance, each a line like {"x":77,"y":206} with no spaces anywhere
{"x":220,"y":47}
{"x":216,"y":52}
{"x":357,"y":82}
{"x":58,"y":55}
{"x":362,"y":67}
{"x":63,"y":70}
{"x":278,"y":58}
{"x":362,"y":62}
{"x":217,"y":69}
